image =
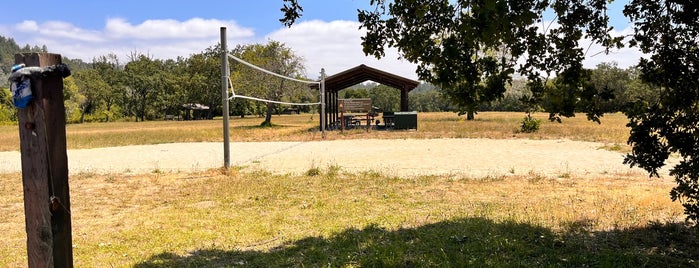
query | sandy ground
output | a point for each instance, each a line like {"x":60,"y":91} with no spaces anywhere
{"x":456,"y":157}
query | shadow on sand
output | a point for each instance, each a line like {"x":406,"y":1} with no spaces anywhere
{"x":474,"y":242}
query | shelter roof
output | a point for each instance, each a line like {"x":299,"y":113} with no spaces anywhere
{"x":363,"y":73}
{"x":194,"y":106}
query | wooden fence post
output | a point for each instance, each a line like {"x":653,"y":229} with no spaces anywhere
{"x":42,"y":135}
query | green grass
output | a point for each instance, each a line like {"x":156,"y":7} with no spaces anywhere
{"x":328,"y":217}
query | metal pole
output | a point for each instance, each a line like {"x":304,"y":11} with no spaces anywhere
{"x":322,"y":102}
{"x":225,"y":72}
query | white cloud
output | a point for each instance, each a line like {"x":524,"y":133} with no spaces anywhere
{"x":162,"y":39}
{"x":171,"y":29}
{"x":58,"y":29}
{"x":5,"y":31}
{"x":596,"y":54}
{"x":27,"y":26}
{"x":336,"y":46}
{"x":624,"y":57}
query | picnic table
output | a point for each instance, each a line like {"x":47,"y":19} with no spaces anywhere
{"x":355,"y":120}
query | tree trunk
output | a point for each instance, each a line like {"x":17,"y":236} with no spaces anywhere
{"x":470,"y":115}
{"x":109,"y":110}
{"x":142,"y":112}
{"x":268,"y":115}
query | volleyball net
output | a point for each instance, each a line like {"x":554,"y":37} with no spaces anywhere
{"x":228,"y":94}
{"x":233,"y":95}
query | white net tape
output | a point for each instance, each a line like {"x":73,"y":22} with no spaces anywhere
{"x":233,"y":95}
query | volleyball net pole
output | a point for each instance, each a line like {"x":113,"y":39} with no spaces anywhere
{"x":225,"y":73}
{"x":225,"y":98}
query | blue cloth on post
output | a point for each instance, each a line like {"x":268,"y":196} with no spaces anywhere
{"x":21,"y":86}
{"x":21,"y":93}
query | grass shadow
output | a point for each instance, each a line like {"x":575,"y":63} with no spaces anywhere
{"x":460,"y":243}
{"x":273,"y":126}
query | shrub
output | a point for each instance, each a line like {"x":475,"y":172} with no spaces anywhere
{"x":530,"y":125}
{"x":312,"y":172}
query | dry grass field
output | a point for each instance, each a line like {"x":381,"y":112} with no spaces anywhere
{"x":328,"y":217}
{"x":493,"y":125}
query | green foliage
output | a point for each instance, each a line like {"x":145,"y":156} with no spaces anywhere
{"x":426,"y":98}
{"x":292,"y":11}
{"x":147,"y":89}
{"x":266,"y":124}
{"x":8,"y":112}
{"x":568,"y":97}
{"x":385,"y":98}
{"x":472,"y":49}
{"x":312,"y":172}
{"x":512,"y":99}
{"x":607,"y":78}
{"x":277,"y":58}
{"x":529,"y":124}
{"x":199,"y":80}
{"x":92,"y":87}
{"x":8,"y":49}
{"x":73,"y":99}
{"x":355,"y":93}
{"x":152,"y":87}
{"x":666,"y":31}
{"x":76,"y":64}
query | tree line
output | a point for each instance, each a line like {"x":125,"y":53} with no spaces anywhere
{"x":144,"y":88}
{"x":622,"y":85}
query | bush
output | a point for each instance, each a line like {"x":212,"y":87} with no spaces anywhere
{"x":312,"y":172}
{"x":530,"y":125}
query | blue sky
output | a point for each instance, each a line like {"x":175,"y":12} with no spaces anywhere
{"x":327,"y":36}
{"x":262,"y":15}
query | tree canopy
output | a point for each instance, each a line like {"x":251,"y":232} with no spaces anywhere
{"x":277,"y":58}
{"x":667,"y":32}
{"x":472,"y":49}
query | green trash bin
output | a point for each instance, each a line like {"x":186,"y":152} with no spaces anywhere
{"x":405,"y":120}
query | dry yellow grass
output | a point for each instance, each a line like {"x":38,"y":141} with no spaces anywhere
{"x":122,"y":220}
{"x":494,"y":125}
{"x":214,"y":218}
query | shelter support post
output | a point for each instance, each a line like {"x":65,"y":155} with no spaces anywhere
{"x":404,"y":100}
{"x":323,"y":101}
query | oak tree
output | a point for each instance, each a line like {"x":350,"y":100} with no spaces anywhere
{"x":667,"y":32}
{"x":274,"y":57}
{"x":472,"y":48}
